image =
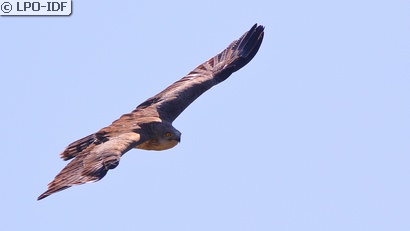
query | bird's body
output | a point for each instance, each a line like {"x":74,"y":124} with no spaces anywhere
{"x":149,"y":126}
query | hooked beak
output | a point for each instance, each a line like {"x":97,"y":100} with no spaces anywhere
{"x":178,"y":139}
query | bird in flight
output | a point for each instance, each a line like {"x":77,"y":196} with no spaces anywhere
{"x":149,"y":126}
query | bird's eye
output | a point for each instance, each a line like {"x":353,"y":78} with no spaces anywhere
{"x":168,"y":134}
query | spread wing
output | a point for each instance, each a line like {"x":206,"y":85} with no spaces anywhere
{"x":173,"y":100}
{"x":93,"y":156}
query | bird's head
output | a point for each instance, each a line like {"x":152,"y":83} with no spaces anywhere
{"x":163,"y":136}
{"x":167,"y":136}
{"x":170,"y":134}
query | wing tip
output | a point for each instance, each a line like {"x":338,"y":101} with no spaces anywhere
{"x":259,"y":27}
{"x":52,"y":190}
{"x":248,"y":45}
{"x":254,"y":36}
{"x":42,"y":196}
{"x":239,"y":53}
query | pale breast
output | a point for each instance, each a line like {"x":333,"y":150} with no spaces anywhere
{"x":157,"y":145}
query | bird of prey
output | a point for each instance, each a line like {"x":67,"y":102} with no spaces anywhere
{"x":149,"y":126}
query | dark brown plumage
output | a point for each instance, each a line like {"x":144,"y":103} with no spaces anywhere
{"x":149,"y":126}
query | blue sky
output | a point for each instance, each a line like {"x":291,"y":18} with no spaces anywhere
{"x":313,"y":134}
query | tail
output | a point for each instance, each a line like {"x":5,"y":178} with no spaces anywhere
{"x":92,"y":160}
{"x":77,"y":147}
{"x":72,"y":174}
{"x":69,"y":176}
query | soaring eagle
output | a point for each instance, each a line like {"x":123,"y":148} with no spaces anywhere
{"x":149,"y":126}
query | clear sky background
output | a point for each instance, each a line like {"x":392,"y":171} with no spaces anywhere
{"x":313,"y":134}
